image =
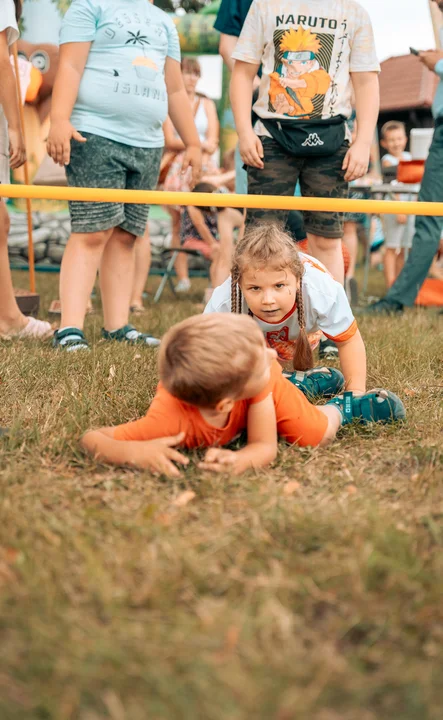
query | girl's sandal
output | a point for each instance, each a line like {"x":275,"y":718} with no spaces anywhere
{"x":375,"y":406}
{"x":318,"y":382}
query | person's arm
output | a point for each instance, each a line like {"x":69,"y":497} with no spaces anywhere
{"x":352,"y":355}
{"x":367,"y":105}
{"x":260,"y":450}
{"x":433,"y":61}
{"x":211,"y":141}
{"x":182,"y":118}
{"x":226,"y":47}
{"x":156,"y":455}
{"x":251,"y":149}
{"x":172,"y":142}
{"x":72,"y":61}
{"x":9,"y":102}
{"x":198,"y":222}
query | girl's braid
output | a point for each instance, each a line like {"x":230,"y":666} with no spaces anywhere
{"x":303,"y":357}
{"x":236,"y":293}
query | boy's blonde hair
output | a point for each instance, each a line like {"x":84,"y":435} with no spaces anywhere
{"x":207,"y":358}
{"x":267,"y":246}
{"x":392,"y":125}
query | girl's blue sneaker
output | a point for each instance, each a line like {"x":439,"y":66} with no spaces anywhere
{"x":375,"y":406}
{"x":319,"y":382}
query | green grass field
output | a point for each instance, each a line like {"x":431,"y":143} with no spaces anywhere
{"x":309,"y":591}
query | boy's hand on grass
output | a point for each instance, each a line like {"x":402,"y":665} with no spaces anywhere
{"x":356,"y":162}
{"x":17,"y":150}
{"x":251,"y":149}
{"x":59,"y":141}
{"x":159,"y":456}
{"x":192,"y":159}
{"x":220,"y":461}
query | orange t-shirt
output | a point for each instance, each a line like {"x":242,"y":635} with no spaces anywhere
{"x":297,"y":420}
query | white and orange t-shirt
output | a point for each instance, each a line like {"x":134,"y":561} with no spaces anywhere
{"x":307,"y":49}
{"x":326,"y":308}
{"x":298,"y":422}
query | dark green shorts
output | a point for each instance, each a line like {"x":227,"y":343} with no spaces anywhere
{"x":103,"y":163}
{"x":319,"y":177}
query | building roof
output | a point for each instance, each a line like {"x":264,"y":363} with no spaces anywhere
{"x":406,"y":84}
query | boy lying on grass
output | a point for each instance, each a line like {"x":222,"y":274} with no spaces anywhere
{"x":218,"y":378}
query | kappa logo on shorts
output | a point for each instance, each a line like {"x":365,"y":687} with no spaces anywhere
{"x":312,"y":141}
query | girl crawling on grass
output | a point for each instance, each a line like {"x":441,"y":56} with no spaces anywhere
{"x":294,"y":300}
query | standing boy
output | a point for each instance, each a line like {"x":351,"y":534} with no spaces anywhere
{"x":398,"y":229}
{"x":119,"y":75}
{"x":313,"y":55}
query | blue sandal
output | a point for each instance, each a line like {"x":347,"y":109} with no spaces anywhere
{"x":318,"y":382}
{"x":129,"y":334}
{"x":70,"y":339}
{"x":375,"y":406}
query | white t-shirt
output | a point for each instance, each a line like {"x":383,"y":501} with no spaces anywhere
{"x":326,"y":309}
{"x":308,"y":50}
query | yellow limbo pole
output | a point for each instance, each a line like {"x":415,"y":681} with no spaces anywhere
{"x":26,"y":173}
{"x":262,"y":202}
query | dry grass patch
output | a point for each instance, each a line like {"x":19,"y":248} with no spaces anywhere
{"x":309,"y":591}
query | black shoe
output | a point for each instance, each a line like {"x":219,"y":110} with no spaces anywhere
{"x":328,"y":349}
{"x":382,"y":307}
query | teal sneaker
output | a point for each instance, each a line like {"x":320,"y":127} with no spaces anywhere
{"x":319,"y":382}
{"x":375,"y":406}
{"x":70,"y":339}
{"x":129,"y":334}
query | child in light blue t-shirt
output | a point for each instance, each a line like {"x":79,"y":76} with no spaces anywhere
{"x":118,"y":78}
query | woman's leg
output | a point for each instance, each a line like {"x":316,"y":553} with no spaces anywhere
{"x":11,"y":319}
{"x":78,"y":271}
{"x":116,"y":277}
{"x":399,"y":262}
{"x":142,"y":267}
{"x":181,"y":264}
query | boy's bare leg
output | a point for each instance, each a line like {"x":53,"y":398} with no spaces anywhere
{"x":389,"y":266}
{"x":329,"y":252}
{"x":116,"y":277}
{"x":11,"y":319}
{"x":334,"y":423}
{"x":78,"y":271}
{"x":350,"y":239}
{"x":142,"y":267}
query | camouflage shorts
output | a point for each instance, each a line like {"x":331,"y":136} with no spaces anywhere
{"x":104,"y":163}
{"x":318,"y":176}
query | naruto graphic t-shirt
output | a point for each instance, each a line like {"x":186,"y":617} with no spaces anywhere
{"x":308,"y":50}
{"x":122,"y":94}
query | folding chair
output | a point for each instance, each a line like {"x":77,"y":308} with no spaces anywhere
{"x":168,"y":256}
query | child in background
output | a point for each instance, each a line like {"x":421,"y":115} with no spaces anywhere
{"x":310,"y":66}
{"x":294,"y":300}
{"x":211,"y":231}
{"x":218,"y":378}
{"x":398,"y":229}
{"x":119,"y":75}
